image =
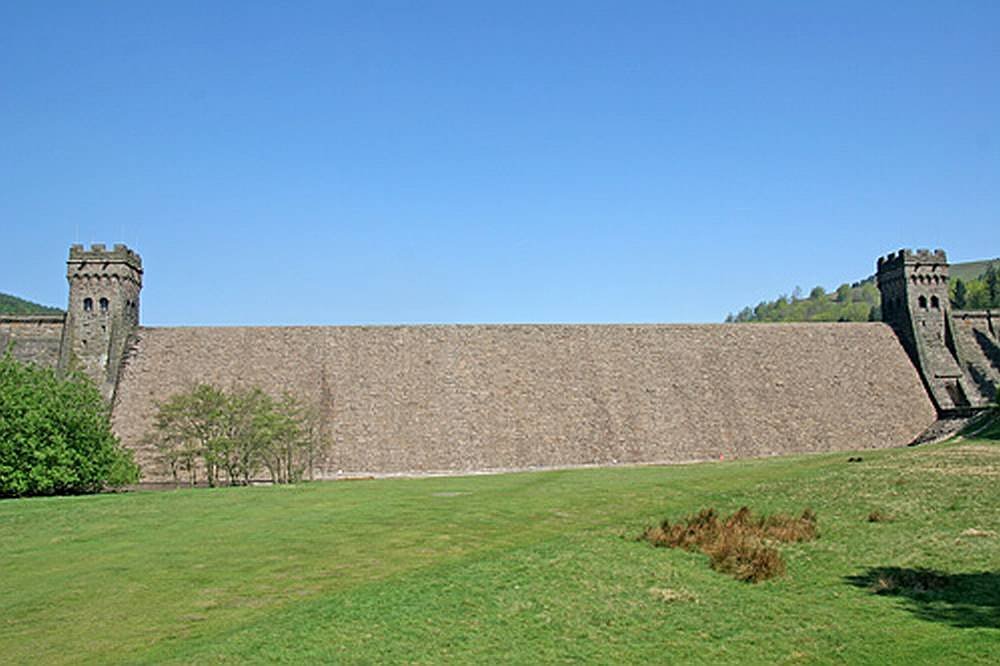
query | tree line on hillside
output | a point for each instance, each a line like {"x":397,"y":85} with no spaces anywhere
{"x":861,"y":301}
{"x":980,"y":293}
{"x":850,"y":302}
{"x":12,"y":305}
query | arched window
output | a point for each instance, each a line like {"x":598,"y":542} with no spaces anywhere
{"x":935,"y":303}
{"x":88,"y":305}
{"x":922,"y":302}
{"x":104,"y":305}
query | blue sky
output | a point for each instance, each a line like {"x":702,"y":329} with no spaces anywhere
{"x":403,"y":162}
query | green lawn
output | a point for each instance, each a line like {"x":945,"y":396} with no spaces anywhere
{"x":515,"y":568}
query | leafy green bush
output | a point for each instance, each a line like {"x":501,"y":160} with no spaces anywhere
{"x":55,"y":435}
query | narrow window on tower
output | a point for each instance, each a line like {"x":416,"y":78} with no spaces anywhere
{"x":88,"y":305}
{"x":104,"y":305}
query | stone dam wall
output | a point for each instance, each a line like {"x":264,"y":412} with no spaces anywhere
{"x":32,"y":338}
{"x":419,"y":399}
{"x":977,"y":343}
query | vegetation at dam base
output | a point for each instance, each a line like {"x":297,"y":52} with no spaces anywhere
{"x":55,"y":435}
{"x":522,"y":568}
{"x":232,"y":436}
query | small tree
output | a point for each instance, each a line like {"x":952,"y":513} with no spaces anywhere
{"x":232,"y":436}
{"x":188,"y":429}
{"x":960,"y":297}
{"x":992,"y":279}
{"x":55,"y":435}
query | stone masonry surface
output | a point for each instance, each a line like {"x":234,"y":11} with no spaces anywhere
{"x":32,"y":338}
{"x":978,"y":347}
{"x":491,"y":397}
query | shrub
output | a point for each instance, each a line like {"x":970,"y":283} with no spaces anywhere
{"x":741,"y":545}
{"x":55,"y":435}
{"x":744,"y":558}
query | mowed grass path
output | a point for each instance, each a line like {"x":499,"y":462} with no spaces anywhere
{"x":516,"y":568}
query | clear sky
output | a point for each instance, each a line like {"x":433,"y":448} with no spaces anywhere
{"x":403,"y":162}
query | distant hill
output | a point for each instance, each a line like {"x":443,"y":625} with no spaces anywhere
{"x":12,"y":305}
{"x":849,"y":302}
{"x":861,"y":301}
{"x":970,"y":270}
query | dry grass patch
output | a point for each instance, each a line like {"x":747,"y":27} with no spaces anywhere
{"x":968,"y":460}
{"x":671,"y":596}
{"x":742,"y":545}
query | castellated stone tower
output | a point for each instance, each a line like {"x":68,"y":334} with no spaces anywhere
{"x":103,"y":311}
{"x":915,"y":302}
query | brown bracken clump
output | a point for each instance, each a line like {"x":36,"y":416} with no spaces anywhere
{"x":741,"y":545}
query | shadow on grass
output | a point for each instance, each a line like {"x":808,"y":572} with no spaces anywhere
{"x":962,"y":600}
{"x":988,"y":430}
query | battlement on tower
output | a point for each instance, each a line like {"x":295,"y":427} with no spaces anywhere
{"x":83,"y":260}
{"x":906,"y":257}
{"x":99,"y":252}
{"x":923,"y":268}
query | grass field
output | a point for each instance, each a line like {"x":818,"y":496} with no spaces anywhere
{"x":517,"y":568}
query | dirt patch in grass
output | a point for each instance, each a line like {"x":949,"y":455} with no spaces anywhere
{"x":742,"y":545}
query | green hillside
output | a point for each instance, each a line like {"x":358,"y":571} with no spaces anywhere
{"x":12,"y":305}
{"x":970,"y":270}
{"x":861,"y":301}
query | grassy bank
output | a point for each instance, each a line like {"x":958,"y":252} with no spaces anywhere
{"x":515,"y":568}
